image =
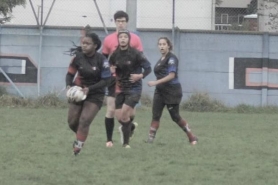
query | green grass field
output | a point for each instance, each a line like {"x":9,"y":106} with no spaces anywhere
{"x":236,"y":149}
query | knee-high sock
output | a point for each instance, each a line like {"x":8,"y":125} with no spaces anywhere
{"x":81,"y":134}
{"x":132,"y":124}
{"x":154,"y":127}
{"x":109,"y":125}
{"x":81,"y":137}
{"x":185,"y":127}
{"x":126,"y":128}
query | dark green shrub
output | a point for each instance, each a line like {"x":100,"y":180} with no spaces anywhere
{"x":50,"y":100}
{"x":201,"y":102}
{"x":15,"y":101}
{"x":146,"y":100}
{"x":3,"y":91}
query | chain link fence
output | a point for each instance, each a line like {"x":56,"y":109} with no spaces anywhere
{"x":241,"y":15}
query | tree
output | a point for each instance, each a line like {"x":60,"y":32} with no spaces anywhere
{"x":268,"y":15}
{"x":252,"y":7}
{"x":6,"y":6}
{"x":218,"y":2}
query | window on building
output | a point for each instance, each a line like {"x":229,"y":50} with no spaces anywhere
{"x":240,"y":18}
{"x":224,"y":18}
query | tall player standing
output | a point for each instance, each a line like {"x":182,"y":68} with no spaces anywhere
{"x":109,"y":46}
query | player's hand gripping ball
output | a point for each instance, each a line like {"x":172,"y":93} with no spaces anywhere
{"x":75,"y":94}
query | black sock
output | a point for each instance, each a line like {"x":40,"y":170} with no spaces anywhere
{"x":109,"y":125}
{"x":132,"y":125}
{"x":126,"y":131}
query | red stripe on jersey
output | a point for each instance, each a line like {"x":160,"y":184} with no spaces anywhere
{"x":72,"y":70}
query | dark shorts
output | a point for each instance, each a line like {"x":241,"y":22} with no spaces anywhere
{"x":111,"y":90}
{"x":130,"y":99}
{"x":93,"y":98}
{"x":112,"y":87}
{"x":170,"y":94}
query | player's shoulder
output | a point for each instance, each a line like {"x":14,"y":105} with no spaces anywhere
{"x":135,"y":50}
{"x":110,"y":36}
{"x":134,"y":36}
{"x":78,"y":55}
{"x":172,"y":58}
{"x":100,"y":56}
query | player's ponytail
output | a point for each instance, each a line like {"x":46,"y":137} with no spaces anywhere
{"x":76,"y":49}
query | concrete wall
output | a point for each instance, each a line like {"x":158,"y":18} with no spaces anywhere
{"x":209,"y":62}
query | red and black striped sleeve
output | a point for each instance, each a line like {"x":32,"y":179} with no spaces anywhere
{"x":72,"y":70}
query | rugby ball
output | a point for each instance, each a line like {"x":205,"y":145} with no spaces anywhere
{"x":76,"y":94}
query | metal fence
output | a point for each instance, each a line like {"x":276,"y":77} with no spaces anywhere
{"x":239,"y":15}
{"x":205,"y":54}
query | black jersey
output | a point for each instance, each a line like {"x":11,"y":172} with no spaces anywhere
{"x":127,"y":62}
{"x":91,"y":70}
{"x":171,"y":90}
{"x":163,"y":67}
{"x":169,"y":64}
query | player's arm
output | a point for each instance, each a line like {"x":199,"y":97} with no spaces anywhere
{"x":112,"y":63}
{"x":105,"y":76}
{"x":145,"y":64}
{"x":165,"y":79}
{"x":72,"y":70}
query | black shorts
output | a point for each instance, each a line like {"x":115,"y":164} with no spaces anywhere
{"x":111,"y":90}
{"x":130,"y":99}
{"x":93,"y":98}
{"x":112,"y":87}
{"x":170,"y":93}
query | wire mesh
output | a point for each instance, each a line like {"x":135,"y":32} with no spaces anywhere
{"x":222,"y":15}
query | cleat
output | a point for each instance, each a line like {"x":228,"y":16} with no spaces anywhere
{"x":193,"y":141}
{"x":133,"y":131}
{"x":126,"y":146}
{"x":122,"y":134}
{"x":109,"y":144}
{"x":149,"y":140}
{"x":76,"y":152}
{"x":76,"y":148}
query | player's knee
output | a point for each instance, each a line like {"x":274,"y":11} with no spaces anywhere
{"x":110,"y":113}
{"x":175,"y":117}
{"x":124,"y":118}
{"x":84,"y":122}
{"x":71,"y":121}
{"x":156,"y":116}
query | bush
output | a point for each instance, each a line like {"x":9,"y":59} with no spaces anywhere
{"x":243,"y":108}
{"x":201,"y":102}
{"x":49,"y":100}
{"x":146,"y":100}
{"x":3,"y":91}
{"x":14,"y":101}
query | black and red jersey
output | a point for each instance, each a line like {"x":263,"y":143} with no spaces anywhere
{"x":89,"y":70}
{"x":127,"y":62}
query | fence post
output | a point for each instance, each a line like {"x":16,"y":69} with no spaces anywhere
{"x":265,"y":61}
{"x":131,"y":10}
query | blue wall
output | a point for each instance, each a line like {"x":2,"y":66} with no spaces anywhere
{"x":204,"y":60}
